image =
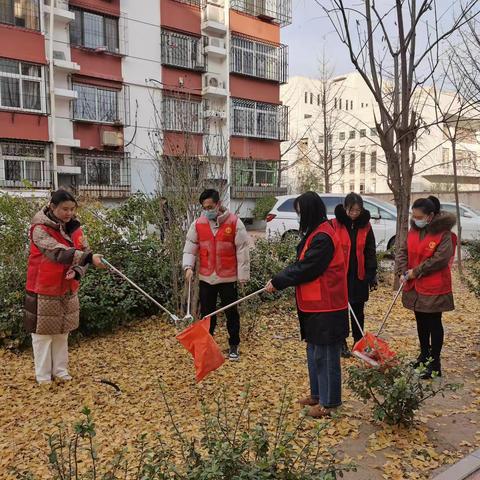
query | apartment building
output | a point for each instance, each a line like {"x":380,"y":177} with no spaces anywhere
{"x":88,"y":87}
{"x":358,"y":159}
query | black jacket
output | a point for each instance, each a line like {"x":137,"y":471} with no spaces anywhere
{"x":358,"y":289}
{"x":322,"y":327}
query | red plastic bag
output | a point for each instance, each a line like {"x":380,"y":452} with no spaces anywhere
{"x":206,"y":353}
{"x":373,"y":350}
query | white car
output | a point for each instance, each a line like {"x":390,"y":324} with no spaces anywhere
{"x":469,"y":218}
{"x":282,"y":219}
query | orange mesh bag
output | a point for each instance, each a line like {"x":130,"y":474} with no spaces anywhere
{"x":207,"y":356}
{"x":373,"y":350}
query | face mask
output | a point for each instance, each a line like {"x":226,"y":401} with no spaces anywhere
{"x":421,"y":223}
{"x":210,"y":214}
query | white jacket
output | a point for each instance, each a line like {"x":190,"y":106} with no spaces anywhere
{"x":242,"y":244}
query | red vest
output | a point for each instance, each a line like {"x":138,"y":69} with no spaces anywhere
{"x":345,"y":241}
{"x":46,"y":277}
{"x":328,"y":292}
{"x":436,"y":283}
{"x":217,"y":253}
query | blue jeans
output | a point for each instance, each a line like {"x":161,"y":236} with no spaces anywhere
{"x":324,"y":371}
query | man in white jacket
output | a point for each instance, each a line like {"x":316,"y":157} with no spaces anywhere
{"x":220,"y":241}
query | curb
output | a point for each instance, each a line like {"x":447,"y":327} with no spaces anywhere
{"x":462,"y":469}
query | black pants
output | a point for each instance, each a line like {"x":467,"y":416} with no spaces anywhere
{"x":208,"y":304}
{"x":430,"y":334}
{"x":358,"y":309}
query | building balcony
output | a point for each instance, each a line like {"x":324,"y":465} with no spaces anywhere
{"x":258,"y":120}
{"x":182,"y":51}
{"x":256,"y":192}
{"x":103,"y":176}
{"x":66,"y":93}
{"x":259,"y":59}
{"x":275,"y":11}
{"x":65,"y":65}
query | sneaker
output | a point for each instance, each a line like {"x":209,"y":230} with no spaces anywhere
{"x":421,"y":360}
{"x":433,"y":367}
{"x":308,"y":401}
{"x":44,"y":382}
{"x":63,"y":378}
{"x":233,"y":353}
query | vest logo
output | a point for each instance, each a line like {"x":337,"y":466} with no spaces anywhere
{"x":228,"y":230}
{"x":432,"y":245}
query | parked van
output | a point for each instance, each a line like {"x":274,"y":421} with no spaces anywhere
{"x":282,"y":219}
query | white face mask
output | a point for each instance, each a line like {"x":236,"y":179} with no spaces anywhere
{"x":421,"y":223}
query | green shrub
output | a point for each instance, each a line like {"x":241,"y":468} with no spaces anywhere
{"x":397,"y":391}
{"x":233,"y":446}
{"x":15,"y":216}
{"x":472,"y":262}
{"x":263,"y":206}
{"x":128,"y":236}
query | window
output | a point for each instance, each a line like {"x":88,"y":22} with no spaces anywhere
{"x":330,"y":139}
{"x":373,"y":132}
{"x":321,"y":139}
{"x":445,"y":155}
{"x":260,"y":120}
{"x":363,"y":133}
{"x":374,"y":184}
{"x":103,"y":170}
{"x":311,"y":98}
{"x":342,"y":163}
{"x":182,"y":115}
{"x":254,"y":173}
{"x":373,"y":162}
{"x":20,"y":13}
{"x":96,"y":104}
{"x":306,"y":97}
{"x":352,"y":186}
{"x":352,"y":164}
{"x":318,"y":99}
{"x":351,"y":104}
{"x":351,"y":134}
{"x":362,"y":105}
{"x":22,"y":86}
{"x":91,"y":30}
{"x":259,"y":59}
{"x":362,"y":162}
{"x":362,"y":188}
{"x":346,"y":104}
{"x":182,"y":51}
{"x":287,"y":206}
{"x":335,"y":102}
{"x":341,"y":136}
{"x":306,"y":115}
{"x":340,"y":103}
{"x":22,"y":162}
{"x":331,"y":203}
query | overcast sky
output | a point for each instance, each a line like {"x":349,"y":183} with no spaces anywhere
{"x":306,"y":37}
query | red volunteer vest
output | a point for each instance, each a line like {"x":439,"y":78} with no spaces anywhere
{"x":46,"y":277}
{"x":419,"y":250}
{"x":345,"y":242}
{"x":217,"y":253}
{"x":328,"y":292}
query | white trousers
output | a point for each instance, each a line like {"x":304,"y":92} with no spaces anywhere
{"x":50,"y":354}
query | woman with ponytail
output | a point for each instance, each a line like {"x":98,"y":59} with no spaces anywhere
{"x":59,"y":255}
{"x":424,"y":264}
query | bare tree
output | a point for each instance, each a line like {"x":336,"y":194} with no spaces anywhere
{"x":392,"y":48}
{"x":454,"y":112}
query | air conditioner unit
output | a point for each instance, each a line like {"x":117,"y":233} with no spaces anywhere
{"x":214,"y":14}
{"x":214,"y":81}
{"x":219,"y":3}
{"x":216,"y":42}
{"x":112,"y":139}
{"x":215,"y":114}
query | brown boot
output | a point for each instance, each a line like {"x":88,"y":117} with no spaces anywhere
{"x":308,"y":401}
{"x":317,"y":411}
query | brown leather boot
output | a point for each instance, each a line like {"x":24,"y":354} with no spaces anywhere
{"x":307,"y":401}
{"x":317,"y":411}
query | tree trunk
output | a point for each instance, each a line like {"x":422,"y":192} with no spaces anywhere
{"x":457,"y":204}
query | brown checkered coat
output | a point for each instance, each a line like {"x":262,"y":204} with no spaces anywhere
{"x":51,"y":315}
